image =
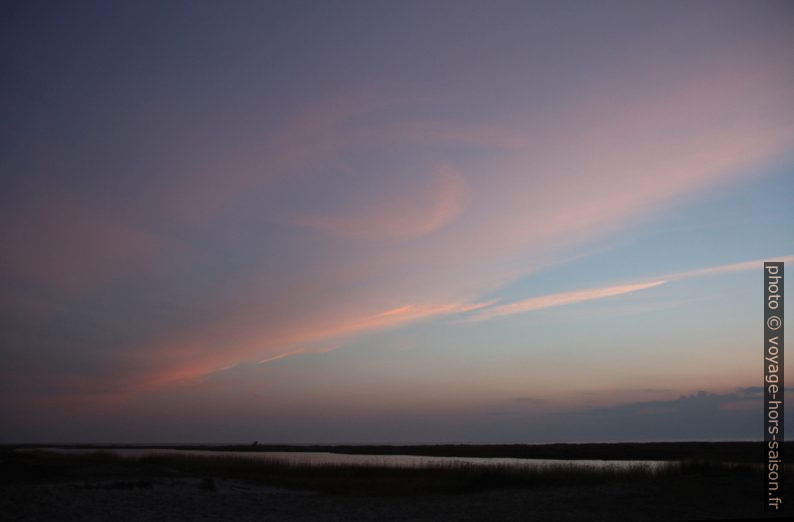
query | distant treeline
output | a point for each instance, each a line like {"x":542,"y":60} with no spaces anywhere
{"x":751,"y":452}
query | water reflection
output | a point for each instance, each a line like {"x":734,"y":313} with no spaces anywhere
{"x":325,"y":458}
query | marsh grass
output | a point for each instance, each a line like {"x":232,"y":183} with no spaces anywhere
{"x":454,"y":477}
{"x":358,"y":479}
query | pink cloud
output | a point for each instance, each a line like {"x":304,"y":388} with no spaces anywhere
{"x":409,"y":215}
{"x":602,"y":166}
{"x":187,"y":356}
{"x":202,"y":188}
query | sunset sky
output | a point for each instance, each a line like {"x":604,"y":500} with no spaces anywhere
{"x":390,"y":221}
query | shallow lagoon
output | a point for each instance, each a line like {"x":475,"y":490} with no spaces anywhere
{"x":327,"y":458}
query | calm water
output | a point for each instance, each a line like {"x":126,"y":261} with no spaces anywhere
{"x":321,"y":458}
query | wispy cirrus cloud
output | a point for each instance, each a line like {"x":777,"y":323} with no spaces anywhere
{"x":578,"y":296}
{"x":561,"y":299}
{"x":190,"y":355}
{"x":187,"y":357}
{"x":406,"y":216}
{"x":517,"y":183}
{"x":729,"y":268}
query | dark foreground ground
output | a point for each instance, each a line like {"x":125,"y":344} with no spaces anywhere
{"x":98,"y":487}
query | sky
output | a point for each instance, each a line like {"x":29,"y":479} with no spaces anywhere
{"x":402,"y":222}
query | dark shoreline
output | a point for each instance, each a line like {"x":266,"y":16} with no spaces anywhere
{"x":741,"y":452}
{"x":100,"y":486}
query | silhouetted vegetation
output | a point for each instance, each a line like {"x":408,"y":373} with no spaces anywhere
{"x":752,"y":452}
{"x":74,"y":487}
{"x":452,"y":477}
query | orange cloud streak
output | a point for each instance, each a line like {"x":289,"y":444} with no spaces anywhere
{"x":186,"y":358}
